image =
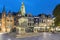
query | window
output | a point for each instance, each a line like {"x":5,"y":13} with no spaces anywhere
{"x":10,"y":20}
{"x":7,"y":20}
{"x":22,"y":29}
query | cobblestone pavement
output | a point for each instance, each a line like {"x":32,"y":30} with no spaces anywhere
{"x":41,"y":36}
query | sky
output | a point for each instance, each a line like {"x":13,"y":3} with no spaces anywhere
{"x":34,"y":7}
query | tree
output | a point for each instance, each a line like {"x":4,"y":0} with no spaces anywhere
{"x":56,"y":13}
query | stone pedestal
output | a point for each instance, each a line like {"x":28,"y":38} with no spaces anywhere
{"x":20,"y":30}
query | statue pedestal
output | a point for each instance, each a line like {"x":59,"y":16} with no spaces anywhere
{"x":21,"y":30}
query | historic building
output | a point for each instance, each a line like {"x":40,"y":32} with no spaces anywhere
{"x":21,"y":13}
{"x":44,"y":23}
{"x":32,"y":23}
{"x":24,"y":22}
{"x":6,"y":21}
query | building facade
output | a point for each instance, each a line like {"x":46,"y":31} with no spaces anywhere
{"x":6,"y":21}
{"x":33,"y":23}
{"x":27,"y":23}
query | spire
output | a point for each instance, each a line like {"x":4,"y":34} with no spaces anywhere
{"x":22,"y":3}
{"x":22,"y":9}
{"x":3,"y":12}
{"x":3,"y":9}
{"x":9,"y":13}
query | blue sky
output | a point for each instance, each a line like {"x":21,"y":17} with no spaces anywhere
{"x":34,"y":7}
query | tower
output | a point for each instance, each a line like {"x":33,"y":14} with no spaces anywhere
{"x":3,"y":19}
{"x":23,"y":9}
{"x":9,"y":22}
